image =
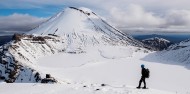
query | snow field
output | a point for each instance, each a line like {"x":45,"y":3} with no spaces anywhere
{"x":102,"y":65}
{"x":72,"y":89}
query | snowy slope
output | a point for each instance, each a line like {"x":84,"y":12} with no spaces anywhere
{"x":178,"y":53}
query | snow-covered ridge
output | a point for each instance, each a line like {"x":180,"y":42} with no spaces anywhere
{"x":157,"y":38}
{"x":182,"y":44}
{"x":19,"y":56}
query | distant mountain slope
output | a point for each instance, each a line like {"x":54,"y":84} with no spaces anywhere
{"x":5,"y":39}
{"x":157,"y":43}
{"x":178,"y":52}
{"x":172,"y":37}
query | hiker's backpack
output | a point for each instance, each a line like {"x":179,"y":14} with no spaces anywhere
{"x":147,"y":73}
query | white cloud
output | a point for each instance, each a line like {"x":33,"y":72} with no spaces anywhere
{"x":135,"y":16}
{"x":165,"y":14}
{"x":178,"y":17}
{"x":19,"y":22}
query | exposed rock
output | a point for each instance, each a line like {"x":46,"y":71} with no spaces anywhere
{"x":157,"y":44}
{"x":14,"y":55}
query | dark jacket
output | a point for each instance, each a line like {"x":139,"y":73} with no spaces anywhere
{"x":143,"y":72}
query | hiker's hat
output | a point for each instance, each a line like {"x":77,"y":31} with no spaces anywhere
{"x":142,"y":66}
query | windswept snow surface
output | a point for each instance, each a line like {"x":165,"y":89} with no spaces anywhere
{"x":72,"y":89}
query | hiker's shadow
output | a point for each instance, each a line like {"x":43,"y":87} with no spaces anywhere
{"x":156,"y":57}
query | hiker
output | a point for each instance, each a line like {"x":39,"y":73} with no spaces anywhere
{"x":145,"y":74}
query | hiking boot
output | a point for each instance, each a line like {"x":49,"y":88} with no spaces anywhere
{"x":144,"y":88}
{"x":138,"y":87}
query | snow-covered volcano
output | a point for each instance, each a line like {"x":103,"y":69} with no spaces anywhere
{"x":82,"y":26}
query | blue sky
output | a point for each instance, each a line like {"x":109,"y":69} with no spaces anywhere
{"x":46,"y":11}
{"x":24,"y":15}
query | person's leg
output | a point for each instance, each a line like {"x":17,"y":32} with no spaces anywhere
{"x":140,"y":82}
{"x":143,"y":79}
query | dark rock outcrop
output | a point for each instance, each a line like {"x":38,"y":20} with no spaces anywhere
{"x":157,"y":44}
